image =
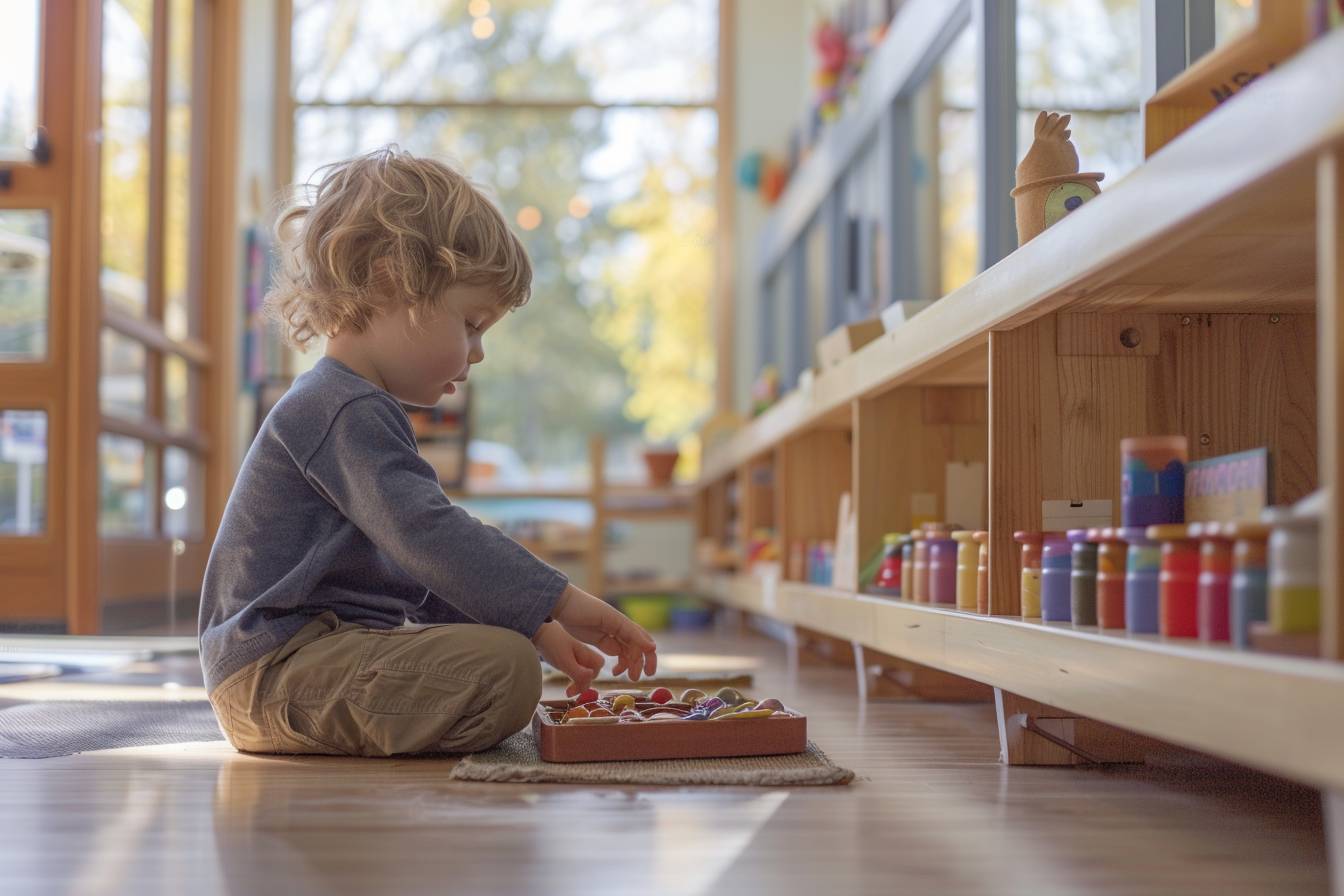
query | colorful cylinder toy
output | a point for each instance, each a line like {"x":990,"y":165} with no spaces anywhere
{"x":1294,"y":569}
{"x":1082,"y":578}
{"x":920,"y":564}
{"x":908,"y":568}
{"x":1152,"y":480}
{"x":888,"y":578}
{"x":1143,"y":562}
{"x":1178,"y":593}
{"x":968,"y":553}
{"x":1111,"y":551}
{"x":1056,"y":567}
{"x":1215,"y":582}
{"x":982,"y":572}
{"x":1250,"y":578}
{"x":942,"y":567}
{"x":1031,"y":572}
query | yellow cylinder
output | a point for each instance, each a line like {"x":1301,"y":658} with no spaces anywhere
{"x":968,"y":568}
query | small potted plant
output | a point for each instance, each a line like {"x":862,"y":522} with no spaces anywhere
{"x":661,"y":460}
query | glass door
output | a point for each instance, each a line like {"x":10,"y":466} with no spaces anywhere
{"x":36,"y":126}
{"x":152,"y":444}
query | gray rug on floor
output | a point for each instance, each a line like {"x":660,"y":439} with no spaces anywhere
{"x":516,"y":760}
{"x":62,"y":727}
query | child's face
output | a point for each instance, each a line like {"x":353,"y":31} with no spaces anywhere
{"x":421,"y":362}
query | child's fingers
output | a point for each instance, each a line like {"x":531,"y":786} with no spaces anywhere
{"x":589,"y":658}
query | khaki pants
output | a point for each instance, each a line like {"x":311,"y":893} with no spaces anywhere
{"x":343,"y":689}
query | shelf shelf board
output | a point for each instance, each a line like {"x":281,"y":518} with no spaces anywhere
{"x":1222,"y":219}
{"x":1249,"y":707}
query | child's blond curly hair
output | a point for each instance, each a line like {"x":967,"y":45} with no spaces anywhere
{"x":387,"y":227}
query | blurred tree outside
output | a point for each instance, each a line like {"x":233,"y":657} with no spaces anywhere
{"x":592,"y":125}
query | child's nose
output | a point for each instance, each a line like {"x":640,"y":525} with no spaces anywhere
{"x":477,"y":353}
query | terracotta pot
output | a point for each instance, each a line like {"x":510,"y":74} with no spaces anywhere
{"x":660,"y":464}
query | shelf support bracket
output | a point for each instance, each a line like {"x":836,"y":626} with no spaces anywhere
{"x":1032,"y":733}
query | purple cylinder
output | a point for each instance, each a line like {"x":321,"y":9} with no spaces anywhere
{"x":942,"y":569}
{"x":1142,"y":586}
{"x":1056,"y":572}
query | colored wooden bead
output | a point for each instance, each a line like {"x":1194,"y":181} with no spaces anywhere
{"x":942,"y":567}
{"x":660,"y":695}
{"x":586,"y":696}
{"x":723,"y":710}
{"x":1250,"y":579}
{"x":982,"y":572}
{"x":1142,"y":589}
{"x":1214,"y":589}
{"x":968,"y":553}
{"x":1294,"y":574}
{"x":888,"y":577}
{"x":908,"y":568}
{"x":1056,"y":566}
{"x":1111,"y":554}
{"x":578,"y":712}
{"x":1030,"y":595}
{"x":730,"y":695}
{"x":622,"y":701}
{"x":919,"y":562}
{"x":1178,"y":580}
{"x":770,"y":703}
{"x":691,"y":695}
{"x":1082,"y":578}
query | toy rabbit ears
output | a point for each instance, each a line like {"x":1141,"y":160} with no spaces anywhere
{"x":1052,"y":157}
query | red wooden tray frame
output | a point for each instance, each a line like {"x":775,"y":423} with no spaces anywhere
{"x":672,"y":739}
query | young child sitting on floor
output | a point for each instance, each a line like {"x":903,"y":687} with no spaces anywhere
{"x":337,"y":532}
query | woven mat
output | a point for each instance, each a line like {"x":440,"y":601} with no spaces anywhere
{"x":62,"y":727}
{"x":516,"y":761}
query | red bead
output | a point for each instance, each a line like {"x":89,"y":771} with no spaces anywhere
{"x":588,"y":696}
{"x":660,"y":695}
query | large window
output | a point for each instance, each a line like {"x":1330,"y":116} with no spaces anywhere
{"x":592,"y":123}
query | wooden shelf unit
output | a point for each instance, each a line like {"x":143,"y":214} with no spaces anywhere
{"x":1265,"y":710}
{"x":1200,"y":295}
{"x":610,"y":501}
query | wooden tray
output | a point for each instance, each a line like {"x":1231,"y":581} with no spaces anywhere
{"x":672,"y":739}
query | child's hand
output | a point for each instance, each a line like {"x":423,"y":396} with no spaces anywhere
{"x":596,"y":622}
{"x":571,"y":656}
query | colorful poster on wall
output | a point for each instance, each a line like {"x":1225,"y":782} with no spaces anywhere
{"x":1230,"y":488}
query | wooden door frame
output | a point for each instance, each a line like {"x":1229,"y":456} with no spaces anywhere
{"x":33,"y":566}
{"x":77,"y":448}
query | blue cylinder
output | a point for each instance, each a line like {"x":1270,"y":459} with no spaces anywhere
{"x":1056,"y":573}
{"x":1250,"y":603}
{"x":1143,"y":564}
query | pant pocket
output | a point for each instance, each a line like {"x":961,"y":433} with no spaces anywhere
{"x":299,"y":729}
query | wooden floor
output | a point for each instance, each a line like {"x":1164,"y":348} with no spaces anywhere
{"x":932,"y":812}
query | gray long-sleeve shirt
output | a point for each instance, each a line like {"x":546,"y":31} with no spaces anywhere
{"x":335,"y":509}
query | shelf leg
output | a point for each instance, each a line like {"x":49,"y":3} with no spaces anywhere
{"x":899,"y":679}
{"x":1334,"y":838}
{"x":860,"y":672}
{"x":1032,"y":733}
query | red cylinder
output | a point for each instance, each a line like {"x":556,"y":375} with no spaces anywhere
{"x":1215,"y":584}
{"x":1178,"y":581}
